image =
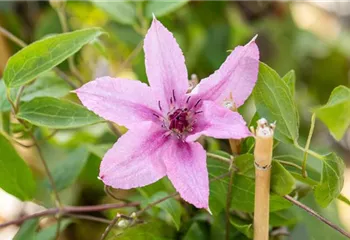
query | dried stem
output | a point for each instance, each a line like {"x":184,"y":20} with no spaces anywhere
{"x":110,"y":226}
{"x":315,"y":214}
{"x":307,"y":145}
{"x":263,"y":157}
{"x":66,"y":210}
{"x":88,"y":217}
{"x":69,"y":210}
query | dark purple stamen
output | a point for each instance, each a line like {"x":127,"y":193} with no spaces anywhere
{"x":197,"y":102}
{"x":188,"y":99}
{"x":160,"y":107}
{"x":174,"y":95}
{"x":156,"y":115}
{"x":171,"y":100}
{"x":198,"y":112}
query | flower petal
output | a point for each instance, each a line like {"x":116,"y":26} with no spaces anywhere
{"x":165,"y":65}
{"x":219,"y":122}
{"x":122,"y":101}
{"x":187,"y":170}
{"x":237,"y":75}
{"x":135,"y":159}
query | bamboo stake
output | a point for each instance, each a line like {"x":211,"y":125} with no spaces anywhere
{"x":263,"y":156}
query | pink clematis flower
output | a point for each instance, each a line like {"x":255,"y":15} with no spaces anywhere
{"x":164,"y":120}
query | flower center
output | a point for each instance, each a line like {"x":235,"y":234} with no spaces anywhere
{"x":179,"y":120}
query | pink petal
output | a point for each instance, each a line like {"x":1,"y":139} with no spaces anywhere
{"x":219,"y":122}
{"x":135,"y":159}
{"x":165,"y":64}
{"x":122,"y":101}
{"x":237,"y":75}
{"x":187,"y":170}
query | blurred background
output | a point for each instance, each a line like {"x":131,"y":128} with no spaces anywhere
{"x":313,"y":38}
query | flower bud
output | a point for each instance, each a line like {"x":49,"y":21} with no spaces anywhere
{"x":123,"y":223}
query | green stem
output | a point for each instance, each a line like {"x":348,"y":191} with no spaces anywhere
{"x":8,"y":96}
{"x":63,"y":20}
{"x":310,"y":152}
{"x":228,"y":203}
{"x":12,"y":37}
{"x":47,"y":170}
{"x":220,"y":158}
{"x":288,"y":163}
{"x":18,"y":97}
{"x":155,"y":203}
{"x":58,"y":228}
{"x":109,"y":193}
{"x":307,"y":145}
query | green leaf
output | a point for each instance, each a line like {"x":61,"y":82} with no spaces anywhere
{"x":151,"y":230}
{"x":5,"y":122}
{"x":161,"y":8}
{"x":27,"y":230}
{"x":46,"y":85}
{"x":67,"y":171}
{"x":163,"y":185}
{"x":243,"y":185}
{"x":49,"y":233}
{"x":283,"y":218}
{"x":274,"y":102}
{"x":45,"y":54}
{"x":16,"y":177}
{"x":56,"y":113}
{"x":242,"y":226}
{"x":289,"y":79}
{"x":332,"y":180}
{"x":314,"y":174}
{"x":243,"y":192}
{"x":195,"y":232}
{"x":338,"y":105}
{"x":218,"y":188}
{"x":282,"y":182}
{"x":170,"y":206}
{"x":120,"y":11}
{"x":245,"y":165}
